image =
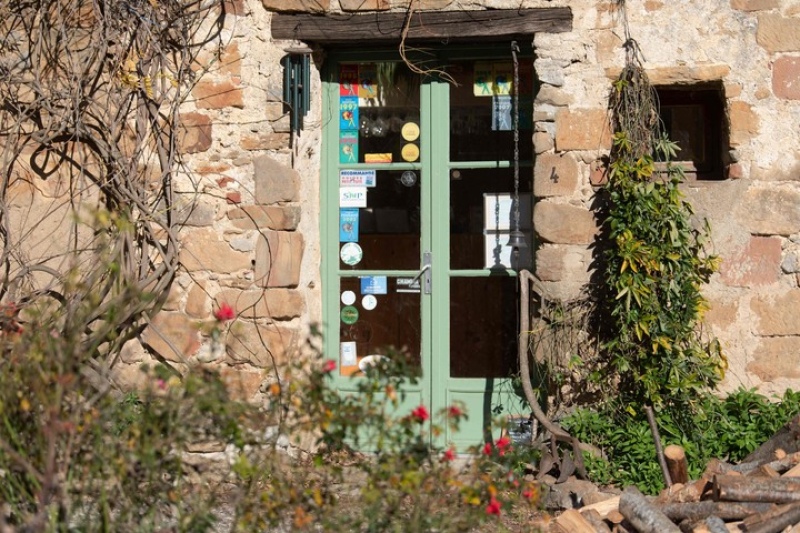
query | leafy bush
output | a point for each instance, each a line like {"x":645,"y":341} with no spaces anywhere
{"x":727,"y":428}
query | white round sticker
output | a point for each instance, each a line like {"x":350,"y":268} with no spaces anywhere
{"x":351,"y":254}
{"x":348,"y":297}
{"x":369,"y":302}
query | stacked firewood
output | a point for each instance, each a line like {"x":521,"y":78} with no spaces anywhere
{"x":755,"y":497}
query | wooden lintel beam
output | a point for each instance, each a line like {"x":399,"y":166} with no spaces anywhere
{"x":382,"y":27}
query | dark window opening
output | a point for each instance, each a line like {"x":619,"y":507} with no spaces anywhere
{"x":693,"y":116}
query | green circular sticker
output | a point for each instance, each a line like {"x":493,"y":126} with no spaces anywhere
{"x":349,"y":314}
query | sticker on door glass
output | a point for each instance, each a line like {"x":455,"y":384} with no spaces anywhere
{"x":357,"y":178}
{"x":482,"y":81}
{"x":373,"y":285}
{"x":410,"y":152}
{"x":348,"y":80}
{"x":348,"y":113}
{"x":353,"y":197}
{"x":367,"y":81}
{"x":408,"y":178}
{"x":348,"y":147}
{"x":384,"y":157}
{"x":369,"y":302}
{"x":410,"y":131}
{"x":348,"y":356}
{"x":348,"y":225}
{"x":351,"y":254}
{"x":501,"y":113}
{"x":348,"y":298}
{"x":408,"y":285}
{"x":349,"y":315}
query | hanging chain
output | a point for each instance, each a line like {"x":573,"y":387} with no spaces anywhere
{"x":515,"y":114}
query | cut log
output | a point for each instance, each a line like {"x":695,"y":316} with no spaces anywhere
{"x":756,"y":489}
{"x":593,"y":517}
{"x":604,"y":507}
{"x":676,"y":463}
{"x":714,"y":524}
{"x":643,"y":515}
{"x":775,"y":520}
{"x":697,"y":511}
{"x":793,"y":471}
{"x":764,"y":471}
{"x":574,"y":522}
{"x":787,"y":439}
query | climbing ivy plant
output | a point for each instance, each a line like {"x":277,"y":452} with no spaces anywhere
{"x":657,"y":262}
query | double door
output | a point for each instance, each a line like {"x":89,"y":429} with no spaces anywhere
{"x":422,"y":184}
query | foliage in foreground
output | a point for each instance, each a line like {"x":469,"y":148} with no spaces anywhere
{"x":75,"y":457}
{"x":727,"y":428}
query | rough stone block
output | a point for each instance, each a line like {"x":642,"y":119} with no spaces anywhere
{"x":194,"y":132}
{"x":721,"y":314}
{"x":188,"y":210}
{"x":743,"y":121}
{"x":770,"y":211}
{"x":598,"y":172}
{"x":777,"y":33}
{"x":274,"y":182}
{"x":778,"y":314}
{"x":582,"y":129}
{"x":758,"y":263}
{"x":275,"y":304}
{"x":680,"y":75}
{"x":364,"y":5}
{"x":542,"y":142}
{"x":266,"y":217}
{"x":563,"y":223}
{"x":279,"y":255}
{"x":234,"y":7}
{"x":755,"y":5}
{"x":218,"y":95}
{"x":265,"y":141}
{"x":552,"y":96}
{"x":563,"y":263}
{"x":241,"y":385}
{"x":297,"y":6}
{"x":776,"y":358}
{"x":197,"y":301}
{"x":262,"y":346}
{"x":203,"y":250}
{"x":173,"y":336}
{"x":786,"y":77}
{"x":555,"y":175}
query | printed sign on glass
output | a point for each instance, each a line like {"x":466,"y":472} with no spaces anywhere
{"x":501,"y":113}
{"x":367,"y":81}
{"x":348,"y":80}
{"x":348,"y":354}
{"x":348,"y":225}
{"x":357,"y":178}
{"x":483,"y":82}
{"x":353,"y":197}
{"x":373,"y":285}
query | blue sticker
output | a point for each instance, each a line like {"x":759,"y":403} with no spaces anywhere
{"x":348,"y":225}
{"x":373,"y":285}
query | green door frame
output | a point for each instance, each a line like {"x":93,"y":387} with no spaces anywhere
{"x":436,"y":389}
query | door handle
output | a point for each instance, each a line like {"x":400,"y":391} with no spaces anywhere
{"x":425,"y":273}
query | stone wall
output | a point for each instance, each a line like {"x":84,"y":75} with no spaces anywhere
{"x":253,"y":239}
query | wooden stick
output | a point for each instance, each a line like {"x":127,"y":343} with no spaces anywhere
{"x":676,"y":463}
{"x":774,"y":521}
{"x":604,"y":507}
{"x":696,"y":511}
{"x":574,"y":522}
{"x":651,"y":419}
{"x":593,"y":517}
{"x":644,"y":516}
{"x":714,"y":524}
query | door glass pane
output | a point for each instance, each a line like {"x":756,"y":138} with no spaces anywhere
{"x":481,"y":125}
{"x":483,"y":327}
{"x":385,"y":234}
{"x":379,"y":316}
{"x":378,"y":113}
{"x":482,"y":213}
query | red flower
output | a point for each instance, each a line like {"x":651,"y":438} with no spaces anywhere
{"x":449,"y":455}
{"x":493,"y":507}
{"x":224,"y":313}
{"x":487,"y":448}
{"x":329,"y":366}
{"x":420,"y":414}
{"x":454,"y":411}
{"x":529,"y":494}
{"x":503,"y":445}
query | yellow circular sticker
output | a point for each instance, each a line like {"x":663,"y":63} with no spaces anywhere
{"x":410,"y":152}
{"x":410,"y":131}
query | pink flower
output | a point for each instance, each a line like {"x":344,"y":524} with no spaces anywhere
{"x":449,"y":455}
{"x":224,"y":313}
{"x":487,"y":448}
{"x":454,"y":411}
{"x":493,"y":507}
{"x":329,"y":366}
{"x":420,"y":414}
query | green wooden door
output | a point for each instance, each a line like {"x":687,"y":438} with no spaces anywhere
{"x":418,"y":199}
